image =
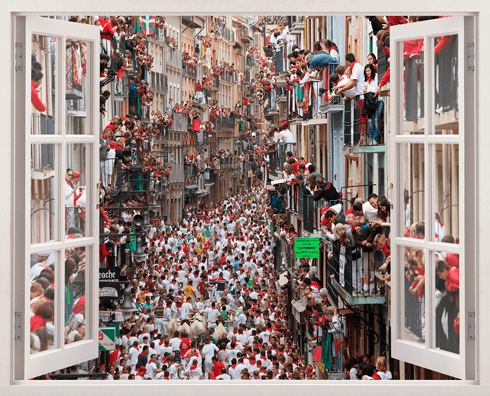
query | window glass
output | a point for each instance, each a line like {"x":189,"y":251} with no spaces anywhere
{"x":43,"y":85}
{"x":413,"y":86}
{"x":446,"y":99}
{"x":75,"y":190}
{"x":76,"y":87}
{"x":43,"y":195}
{"x":414,"y":293}
{"x":75,"y":265}
{"x":446,"y":194}
{"x":43,"y":311}
{"x":446,"y":302}
{"x":413,"y":185}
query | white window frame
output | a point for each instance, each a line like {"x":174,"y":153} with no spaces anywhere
{"x":26,"y":365}
{"x":8,"y":384}
{"x":460,"y":365}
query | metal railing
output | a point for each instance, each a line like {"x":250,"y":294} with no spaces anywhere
{"x":174,"y":58}
{"x":190,"y":171}
{"x":225,"y":122}
{"x":352,"y":122}
{"x":210,"y":176}
{"x":189,"y":71}
{"x":180,"y":123}
{"x":227,"y":76}
{"x":350,"y":267}
{"x":278,"y":158}
{"x":226,"y":33}
{"x":177,"y":174}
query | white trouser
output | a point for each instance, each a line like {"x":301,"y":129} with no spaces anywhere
{"x":207,"y":366}
{"x":162,"y":326}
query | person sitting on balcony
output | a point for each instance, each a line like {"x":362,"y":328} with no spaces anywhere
{"x":357,"y":82}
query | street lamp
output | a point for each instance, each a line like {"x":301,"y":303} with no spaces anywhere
{"x":127,"y":307}
{"x":139,"y":255}
{"x":154,"y":203}
{"x":146,"y":220}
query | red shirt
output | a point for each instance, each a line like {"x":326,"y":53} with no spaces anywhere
{"x":35,"y":100}
{"x":185,"y":345}
{"x":217,"y":367}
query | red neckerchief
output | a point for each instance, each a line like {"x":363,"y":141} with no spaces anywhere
{"x":193,"y":367}
{"x":352,"y":66}
{"x":333,"y":48}
{"x":369,"y":79}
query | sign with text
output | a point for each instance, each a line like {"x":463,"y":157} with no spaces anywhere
{"x":109,"y":286}
{"x":107,"y":339}
{"x":111,"y":316}
{"x":306,"y":248}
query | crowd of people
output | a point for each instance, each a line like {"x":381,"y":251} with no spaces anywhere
{"x":208,"y":304}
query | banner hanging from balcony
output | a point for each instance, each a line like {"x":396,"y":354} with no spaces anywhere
{"x":146,"y":25}
{"x":306,"y":248}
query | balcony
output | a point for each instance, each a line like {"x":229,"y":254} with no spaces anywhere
{"x":278,"y":158}
{"x":193,"y":22}
{"x":180,"y":123}
{"x":177,"y":174}
{"x":209,"y":177}
{"x":158,"y":81}
{"x":347,"y":270}
{"x":225,"y":122}
{"x":228,"y":77}
{"x":189,"y":71}
{"x":173,"y":58}
{"x":226,"y":33}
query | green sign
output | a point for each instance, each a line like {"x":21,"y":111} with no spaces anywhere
{"x":107,"y":339}
{"x":306,"y":248}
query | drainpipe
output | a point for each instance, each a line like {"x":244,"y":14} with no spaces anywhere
{"x":346,"y":39}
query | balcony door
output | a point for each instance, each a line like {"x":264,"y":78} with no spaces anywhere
{"x":432,"y":169}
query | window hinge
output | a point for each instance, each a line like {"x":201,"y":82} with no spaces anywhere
{"x":19,"y":56}
{"x":470,"y":55}
{"x":471,"y":326}
{"x":18,"y":326}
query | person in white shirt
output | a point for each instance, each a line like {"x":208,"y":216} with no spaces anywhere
{"x":208,"y":352}
{"x":357,"y":82}
{"x":194,"y":371}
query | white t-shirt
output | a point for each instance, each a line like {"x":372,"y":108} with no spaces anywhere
{"x":358,"y":74}
{"x":370,"y":213}
{"x":286,"y":136}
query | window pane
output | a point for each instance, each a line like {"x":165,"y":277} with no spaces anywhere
{"x":414,"y":259}
{"x":413,"y":87}
{"x":42,"y":292}
{"x":75,"y":294}
{"x":446,"y":197}
{"x":43,"y":85}
{"x":446,"y":85}
{"x":75,"y":189}
{"x":76,"y":85}
{"x":43,"y":196}
{"x":447,"y":301}
{"x":413,"y":184}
